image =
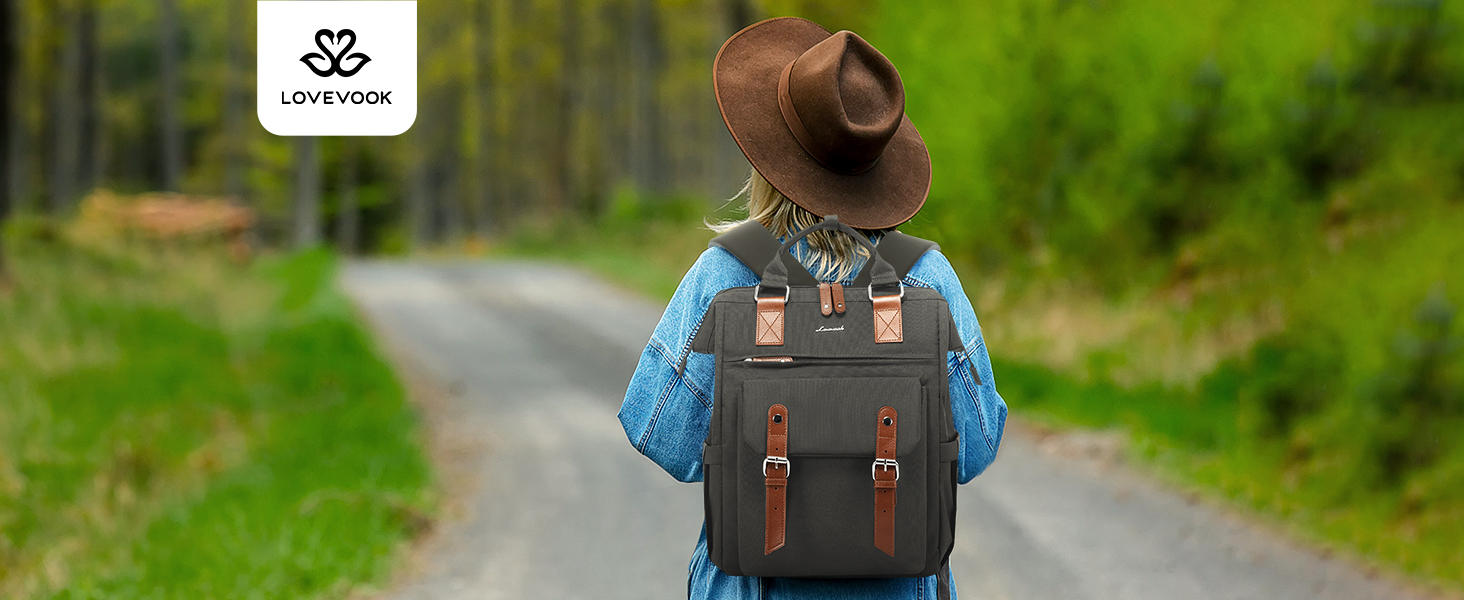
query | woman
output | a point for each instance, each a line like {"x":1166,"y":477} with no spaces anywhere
{"x":820,"y":117}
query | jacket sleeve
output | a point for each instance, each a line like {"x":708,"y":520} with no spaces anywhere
{"x":980,"y":413}
{"x":667,"y":409}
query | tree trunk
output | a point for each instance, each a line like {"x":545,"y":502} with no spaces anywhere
{"x":484,"y":215}
{"x":348,"y":214}
{"x":418,"y":205}
{"x":610,"y":160}
{"x":647,"y":154}
{"x":307,"y":192}
{"x":740,"y":14}
{"x":8,"y":67}
{"x":235,"y":103}
{"x":171,"y":129}
{"x":567,"y":167}
{"x":522,"y":169}
{"x":447,"y":192}
{"x":731,"y":168}
{"x":90,"y":160}
{"x":65,"y":115}
{"x":419,"y":213}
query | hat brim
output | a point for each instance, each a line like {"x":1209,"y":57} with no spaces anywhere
{"x":745,"y":78}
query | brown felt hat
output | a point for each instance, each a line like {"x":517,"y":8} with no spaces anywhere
{"x":822,"y":117}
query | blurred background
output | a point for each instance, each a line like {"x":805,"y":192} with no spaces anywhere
{"x":1228,"y":233}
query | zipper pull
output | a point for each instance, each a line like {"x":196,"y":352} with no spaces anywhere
{"x":779,"y":359}
{"x":838,"y":297}
{"x":825,"y":300}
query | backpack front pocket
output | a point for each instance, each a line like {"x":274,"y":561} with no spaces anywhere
{"x":831,"y":520}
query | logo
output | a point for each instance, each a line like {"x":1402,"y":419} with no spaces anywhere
{"x":821,"y":329}
{"x":359,"y":73}
{"x":335,"y":59}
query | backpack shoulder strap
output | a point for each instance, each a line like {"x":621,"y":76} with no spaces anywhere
{"x":755,"y":246}
{"x":901,"y":251}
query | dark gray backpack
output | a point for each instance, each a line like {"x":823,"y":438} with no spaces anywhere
{"x":831,"y":451}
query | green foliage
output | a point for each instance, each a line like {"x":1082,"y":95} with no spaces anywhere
{"x":1289,"y":377}
{"x":1422,"y":389}
{"x":631,"y":208}
{"x":1146,"y":127}
{"x":180,"y":427}
{"x":1407,"y":47}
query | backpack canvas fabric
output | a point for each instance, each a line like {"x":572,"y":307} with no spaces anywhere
{"x":832,"y":452}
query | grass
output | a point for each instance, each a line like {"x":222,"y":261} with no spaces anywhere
{"x":176,"y":426}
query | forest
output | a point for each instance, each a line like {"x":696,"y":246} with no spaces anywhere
{"x":1230,"y":231}
{"x":527,"y":109}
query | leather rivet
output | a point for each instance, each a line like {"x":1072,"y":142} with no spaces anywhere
{"x":887,"y":421}
{"x":779,"y":419}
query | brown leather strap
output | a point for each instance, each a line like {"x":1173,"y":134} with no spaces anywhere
{"x":776,"y":471}
{"x":770,"y":321}
{"x":838,"y":298}
{"x":888,"y":326}
{"x":886,"y":474}
{"x":825,"y":299}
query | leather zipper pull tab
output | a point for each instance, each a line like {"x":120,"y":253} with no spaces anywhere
{"x":825,"y":300}
{"x":838,"y":297}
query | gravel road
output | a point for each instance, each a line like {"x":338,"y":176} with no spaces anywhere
{"x":553,"y":502}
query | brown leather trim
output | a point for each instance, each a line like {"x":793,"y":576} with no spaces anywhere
{"x":825,"y":299}
{"x":770,"y":321}
{"x":888,"y":326}
{"x":886,"y":474}
{"x":838,"y":298}
{"x":775,"y":512}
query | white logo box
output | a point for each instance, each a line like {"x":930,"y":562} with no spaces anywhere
{"x":375,"y":95}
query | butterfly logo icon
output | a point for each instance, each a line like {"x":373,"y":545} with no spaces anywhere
{"x":334,"y":59}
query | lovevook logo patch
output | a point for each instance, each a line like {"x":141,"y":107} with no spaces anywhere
{"x":333,"y":66}
{"x":343,"y":40}
{"x":314,"y":77}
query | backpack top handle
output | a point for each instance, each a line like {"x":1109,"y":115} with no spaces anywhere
{"x":883,"y":278}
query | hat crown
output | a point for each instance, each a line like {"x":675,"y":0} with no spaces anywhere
{"x":847,"y":148}
{"x":847,"y":102}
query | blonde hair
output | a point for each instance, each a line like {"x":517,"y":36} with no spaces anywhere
{"x":834,"y":255}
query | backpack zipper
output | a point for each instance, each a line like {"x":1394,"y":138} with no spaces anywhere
{"x":788,"y":359}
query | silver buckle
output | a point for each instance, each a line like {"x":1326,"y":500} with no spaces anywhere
{"x":780,"y":460}
{"x":757,"y":292}
{"x":870,"y":290}
{"x":886,"y":463}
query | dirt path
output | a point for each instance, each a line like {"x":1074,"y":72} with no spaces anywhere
{"x":555,"y":503}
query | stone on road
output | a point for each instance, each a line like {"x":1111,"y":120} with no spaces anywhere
{"x":537,"y":356}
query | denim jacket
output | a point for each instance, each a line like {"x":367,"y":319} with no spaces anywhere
{"x":666,"y":415}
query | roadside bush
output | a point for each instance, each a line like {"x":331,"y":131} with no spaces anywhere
{"x":1290,"y":377}
{"x":1420,"y":395}
{"x":1404,"y":49}
{"x":1322,"y":139}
